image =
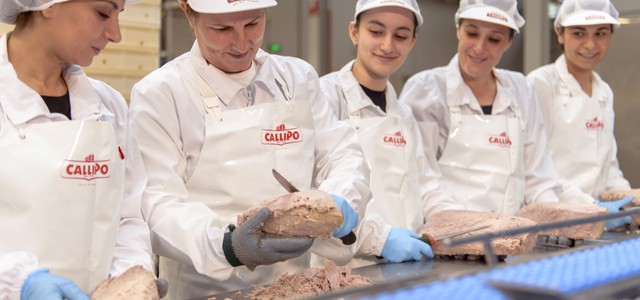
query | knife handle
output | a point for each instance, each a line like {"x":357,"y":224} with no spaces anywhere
{"x":349,"y":238}
{"x":427,"y":239}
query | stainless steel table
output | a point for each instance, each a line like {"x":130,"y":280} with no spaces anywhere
{"x":391,"y":276}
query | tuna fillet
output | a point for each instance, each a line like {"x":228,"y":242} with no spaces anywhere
{"x":309,"y":213}
{"x":558,"y":211}
{"x":310,"y":282}
{"x":135,"y":283}
{"x":614,"y":195}
{"x":449,"y":221}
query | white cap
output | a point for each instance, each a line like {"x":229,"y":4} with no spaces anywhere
{"x":10,"y":9}
{"x":412,"y":5}
{"x":586,"y":12}
{"x":228,"y":6}
{"x":501,"y":12}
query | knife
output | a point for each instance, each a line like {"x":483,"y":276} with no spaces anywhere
{"x":286,"y":184}
{"x":431,"y":240}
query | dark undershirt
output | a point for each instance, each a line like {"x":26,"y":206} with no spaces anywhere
{"x":59,"y":104}
{"x":378,"y":98}
{"x":487,"y":109}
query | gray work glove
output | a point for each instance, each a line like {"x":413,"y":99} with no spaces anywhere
{"x":248,"y":245}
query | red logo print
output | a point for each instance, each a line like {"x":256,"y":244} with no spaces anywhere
{"x":395,"y":139}
{"x":281,"y":136}
{"x":497,"y":15}
{"x":501,"y":140}
{"x":595,"y":124}
{"x":87,"y":169}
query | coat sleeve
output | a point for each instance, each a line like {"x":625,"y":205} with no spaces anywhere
{"x":15,"y":267}
{"x":435,"y":196}
{"x":372,"y":231}
{"x":615,"y":178}
{"x":132,"y":245}
{"x":541,"y":178}
{"x":182,"y":230}
{"x":340,"y":167}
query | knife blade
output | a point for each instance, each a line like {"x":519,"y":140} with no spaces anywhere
{"x":286,"y":184}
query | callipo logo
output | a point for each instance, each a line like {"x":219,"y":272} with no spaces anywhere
{"x":87,"y":169}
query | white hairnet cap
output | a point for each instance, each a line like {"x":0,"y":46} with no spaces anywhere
{"x":501,"y":12}
{"x":412,"y":5}
{"x":10,"y":9}
{"x":228,"y":6}
{"x":586,"y":12}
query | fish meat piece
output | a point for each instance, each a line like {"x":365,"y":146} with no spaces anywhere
{"x":310,"y":282}
{"x":135,"y":283}
{"x":310,"y":213}
{"x":449,"y":221}
{"x":546,"y":212}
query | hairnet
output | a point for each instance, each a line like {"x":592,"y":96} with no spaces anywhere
{"x":586,"y":12}
{"x":10,"y":9}
{"x":501,"y":12}
{"x":412,"y":5}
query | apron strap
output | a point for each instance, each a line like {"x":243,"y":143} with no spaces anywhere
{"x":455,"y":115}
{"x":209,"y":97}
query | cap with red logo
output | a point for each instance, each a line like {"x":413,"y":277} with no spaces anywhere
{"x":501,"y":12}
{"x":411,"y":5}
{"x":228,"y":6}
{"x":586,"y":12}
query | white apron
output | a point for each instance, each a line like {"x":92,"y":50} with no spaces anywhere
{"x":234,"y":173}
{"x":587,"y":124}
{"x":62,"y":187}
{"x":394,"y":174}
{"x":482,"y":163}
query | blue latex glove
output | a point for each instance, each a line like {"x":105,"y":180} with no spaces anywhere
{"x":40,"y":285}
{"x":349,"y":217}
{"x":614,"y":207}
{"x":403,"y":245}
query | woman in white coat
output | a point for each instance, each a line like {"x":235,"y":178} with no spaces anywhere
{"x":72,"y":176}
{"x":577,"y":105}
{"x":211,"y":125}
{"x":405,"y":191}
{"x":483,"y":124}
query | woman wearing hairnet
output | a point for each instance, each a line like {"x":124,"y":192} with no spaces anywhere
{"x":404,"y":189}
{"x":67,"y":216}
{"x":577,"y":105}
{"x":482,"y":123}
{"x":211,"y":126}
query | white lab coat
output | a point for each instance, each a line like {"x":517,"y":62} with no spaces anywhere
{"x":579,"y":128}
{"x":171,"y":128}
{"x":99,"y":100}
{"x":411,"y":211}
{"x":426,"y":93}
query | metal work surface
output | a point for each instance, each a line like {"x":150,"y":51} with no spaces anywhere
{"x":388,"y":276}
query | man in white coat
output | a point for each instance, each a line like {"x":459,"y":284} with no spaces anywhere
{"x":405,"y":191}
{"x":72,"y":177}
{"x":212,"y":124}
{"x":577,"y":105}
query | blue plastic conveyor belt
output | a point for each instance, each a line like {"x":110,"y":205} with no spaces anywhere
{"x":564,"y":274}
